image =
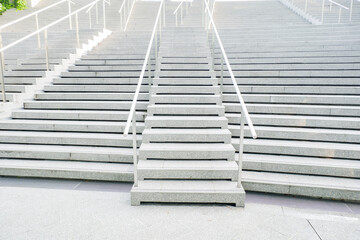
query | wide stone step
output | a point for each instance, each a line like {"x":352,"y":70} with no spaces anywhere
{"x":184,"y":74}
{"x":76,"y":115}
{"x":293,"y":67}
{"x":107,"y":68}
{"x":186,"y":151}
{"x":116,"y":74}
{"x":121,"y":172}
{"x":74,"y":139}
{"x":94,"y":88}
{"x":326,"y":110}
{"x":67,"y":126}
{"x":185,"y":99}
{"x":298,"y":133}
{"x":91,"y":96}
{"x":162,"y":169}
{"x":189,"y":110}
{"x":77,"y":105}
{"x":67,"y":153}
{"x":187,"y":191}
{"x":186,"y":135}
{"x":302,"y":165}
{"x":190,"y":81}
{"x":166,"y":90}
{"x":183,"y":122}
{"x":300,"y":148}
{"x":316,"y":90}
{"x":302,"y":185}
{"x":99,"y":81}
{"x":299,"y":121}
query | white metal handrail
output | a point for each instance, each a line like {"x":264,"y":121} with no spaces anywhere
{"x":147,"y":60}
{"x":244,"y":111}
{"x":238,"y":93}
{"x":338,"y":4}
{"x":125,"y":13}
{"x":340,"y":7}
{"x":35,"y":13}
{"x":44,"y":29}
{"x":180,"y":6}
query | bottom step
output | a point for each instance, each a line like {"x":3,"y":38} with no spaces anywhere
{"x":121,"y":172}
{"x":335,"y":188}
{"x":175,"y":191}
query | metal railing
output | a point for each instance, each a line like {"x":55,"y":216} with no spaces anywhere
{"x":147,"y":62}
{"x":332,"y":2}
{"x":340,"y":7}
{"x":45,"y":32}
{"x":211,"y":5}
{"x":244,"y":111}
{"x":125,"y":13}
{"x":36,"y":14}
{"x":180,"y":6}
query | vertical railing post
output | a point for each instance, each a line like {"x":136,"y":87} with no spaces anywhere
{"x":70,"y":19}
{"x":134,"y":148}
{"x":176,"y":19}
{"x":2,"y":69}
{"x":339,"y":15}
{"x":104,"y":16}
{"x":149,"y":66}
{"x":155,"y":46}
{"x":222,"y":77}
{"x":77,"y":30}
{"x":164,"y":14}
{"x":181,"y":14}
{"x":331,"y":6}
{"x":322,"y":12}
{"x":46,"y":50}
{"x":97,"y":13}
{"x":213,"y":48}
{"x":203,"y":12}
{"x":37,"y":28}
{"x":351,"y":9}
{"x":90,"y":19}
{"x":121,"y":20}
{"x":306,"y":5}
{"x":241,"y":146}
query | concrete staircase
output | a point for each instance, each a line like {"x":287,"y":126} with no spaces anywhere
{"x":300,"y":82}
{"x":73,"y":128}
{"x":301,"y":86}
{"x":186,"y":153}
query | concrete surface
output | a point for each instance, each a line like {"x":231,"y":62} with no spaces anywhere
{"x":63,"y":209}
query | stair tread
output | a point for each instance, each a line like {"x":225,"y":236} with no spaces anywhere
{"x":187,"y":186}
{"x":211,"y":147}
{"x":67,"y":165}
{"x":301,"y":180}
{"x":187,"y":165}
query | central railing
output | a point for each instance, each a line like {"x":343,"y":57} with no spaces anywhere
{"x":147,"y":62}
{"x":180,"y":7}
{"x":244,"y":112}
{"x":125,"y":13}
{"x":45,"y":31}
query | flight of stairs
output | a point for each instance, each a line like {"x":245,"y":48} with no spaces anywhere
{"x":186,"y":154}
{"x":301,"y":85}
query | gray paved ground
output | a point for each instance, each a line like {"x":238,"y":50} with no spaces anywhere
{"x":58,"y":209}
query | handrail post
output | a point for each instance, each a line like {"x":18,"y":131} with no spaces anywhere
{"x":149,"y":66}
{"x":37,"y":28}
{"x":46,"y":50}
{"x":70,"y":20}
{"x":203,"y":12}
{"x":2,"y":69}
{"x":97,"y":13}
{"x":222,"y":77}
{"x":241,"y":146}
{"x":176,"y":19}
{"x":181,"y":14}
{"x":322,"y":12}
{"x":339,"y":15}
{"x":104,"y":17}
{"x":330,"y":6}
{"x":121,"y":21}
{"x":134,"y":149}
{"x":77,"y":30}
{"x":351,"y":10}
{"x":90,"y":19}
{"x":155,"y":47}
{"x":163,"y":13}
{"x":213,"y":49}
{"x":306,"y":5}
